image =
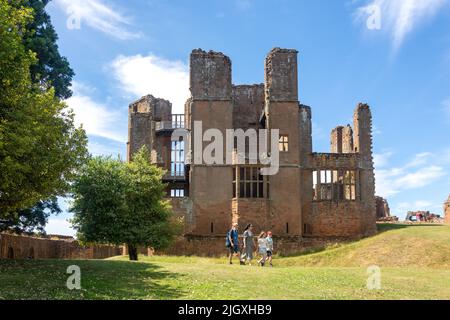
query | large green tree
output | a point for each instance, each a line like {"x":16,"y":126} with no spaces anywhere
{"x":117,"y":202}
{"x":51,"y":68}
{"x":40,"y":147}
{"x":32,"y":219}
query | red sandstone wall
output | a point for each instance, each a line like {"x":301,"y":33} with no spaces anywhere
{"x":23,"y":247}
{"x":447,"y":211}
{"x":340,"y":219}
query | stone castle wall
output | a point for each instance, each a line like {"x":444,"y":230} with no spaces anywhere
{"x":24,"y":247}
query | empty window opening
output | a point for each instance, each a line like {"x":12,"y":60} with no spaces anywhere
{"x":212,"y":227}
{"x":287,"y":227}
{"x":178,"y":121}
{"x":336,"y":185}
{"x":177,"y":193}
{"x":284,"y":143}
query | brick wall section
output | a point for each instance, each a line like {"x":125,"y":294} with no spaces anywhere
{"x":338,"y":219}
{"x":24,"y":247}
{"x":248,"y":105}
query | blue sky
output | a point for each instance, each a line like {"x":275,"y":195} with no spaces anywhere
{"x":394,"y":55}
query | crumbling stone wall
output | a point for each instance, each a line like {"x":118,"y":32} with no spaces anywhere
{"x":447,"y":210}
{"x":142,"y":117}
{"x":342,"y":139}
{"x":25,"y":247}
{"x":383,"y":210}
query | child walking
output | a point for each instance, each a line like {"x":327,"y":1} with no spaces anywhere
{"x":262,"y":244}
{"x":269,"y":241}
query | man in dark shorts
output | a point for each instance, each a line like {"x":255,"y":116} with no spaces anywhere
{"x":233,"y":242}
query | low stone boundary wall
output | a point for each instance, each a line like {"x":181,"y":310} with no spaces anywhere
{"x":25,"y":247}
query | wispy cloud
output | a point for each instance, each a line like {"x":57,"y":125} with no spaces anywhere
{"x":96,"y":118}
{"x":400,"y":17}
{"x":417,"y":173}
{"x":141,"y":75}
{"x":101,"y":16}
{"x":381,"y":159}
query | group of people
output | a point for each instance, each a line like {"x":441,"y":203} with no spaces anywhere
{"x":264,"y":245}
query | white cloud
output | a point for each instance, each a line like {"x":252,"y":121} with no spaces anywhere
{"x":415,"y":174}
{"x":400,"y":17}
{"x":59,"y":227}
{"x":97,"y":119}
{"x":141,"y":75}
{"x":99,"y":15}
{"x":381,"y":159}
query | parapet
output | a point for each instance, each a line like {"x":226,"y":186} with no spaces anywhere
{"x":210,"y":75}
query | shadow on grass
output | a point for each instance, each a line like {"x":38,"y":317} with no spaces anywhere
{"x":100,"y":279}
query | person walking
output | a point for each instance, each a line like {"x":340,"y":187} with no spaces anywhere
{"x":262,"y":245}
{"x":269,"y":241}
{"x":249,"y":244}
{"x":232,"y":242}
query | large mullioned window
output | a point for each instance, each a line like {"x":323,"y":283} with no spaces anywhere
{"x":248,"y":182}
{"x":177,"y":159}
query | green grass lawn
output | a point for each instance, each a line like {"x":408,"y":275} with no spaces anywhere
{"x":335,"y":273}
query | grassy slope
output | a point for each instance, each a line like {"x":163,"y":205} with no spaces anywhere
{"x":337,"y":273}
{"x":395,"y":246}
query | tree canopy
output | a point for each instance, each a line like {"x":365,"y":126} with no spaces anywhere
{"x":117,"y":202}
{"x":51,"y":69}
{"x":40,"y":147}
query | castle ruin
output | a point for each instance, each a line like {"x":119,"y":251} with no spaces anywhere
{"x":313,"y":198}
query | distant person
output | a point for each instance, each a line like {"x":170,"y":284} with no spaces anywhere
{"x":249,"y":244}
{"x":262,"y":245}
{"x":232,"y":242}
{"x":269,"y":241}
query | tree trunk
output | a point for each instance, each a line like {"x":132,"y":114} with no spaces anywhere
{"x":132,"y":252}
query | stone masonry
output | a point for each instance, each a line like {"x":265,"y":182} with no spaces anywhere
{"x":314,"y":197}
